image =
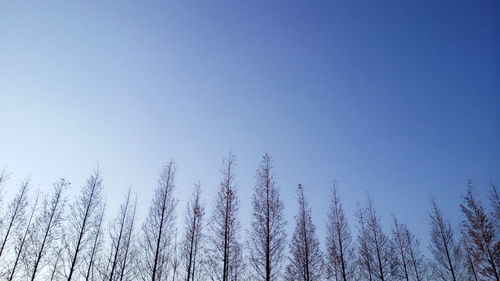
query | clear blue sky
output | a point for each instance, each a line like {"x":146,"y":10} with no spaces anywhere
{"x":398,"y":98}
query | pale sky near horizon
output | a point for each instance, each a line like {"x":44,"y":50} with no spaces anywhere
{"x":396,"y":98}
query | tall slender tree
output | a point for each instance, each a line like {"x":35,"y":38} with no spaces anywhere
{"x":340,"y":252}
{"x":92,"y":270}
{"x":417,"y":261}
{"x":3,"y":178}
{"x":267,"y":236}
{"x":470,"y":261}
{"x":481,"y":234}
{"x":495,"y":207}
{"x":224,"y":253}
{"x":364,"y":257}
{"x":237,"y":266}
{"x":20,"y":247}
{"x":118,"y":236}
{"x":175,"y":259}
{"x":305,"y":255}
{"x":158,"y":229}
{"x":48,"y":229}
{"x":54,"y":272}
{"x":193,"y":235}
{"x":83,"y":220}
{"x":15,"y":216}
{"x":402,"y":250}
{"x":447,"y":254}
{"x":378,"y":244}
{"x":129,"y":252}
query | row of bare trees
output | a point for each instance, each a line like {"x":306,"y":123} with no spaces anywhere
{"x":45,"y":236}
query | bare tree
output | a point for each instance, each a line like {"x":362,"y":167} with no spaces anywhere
{"x":340,"y":252}
{"x":224,"y":252}
{"x":191,"y":243}
{"x":400,"y":245}
{"x":470,"y":260}
{"x":22,"y":239}
{"x":83,"y":220}
{"x":15,"y":216}
{"x":175,"y":259}
{"x":495,"y":206}
{"x":3,"y":178}
{"x":447,"y":254}
{"x":417,"y":261}
{"x":158,"y":228}
{"x":237,"y":266}
{"x":377,"y":243}
{"x":481,"y":233}
{"x":92,"y":273}
{"x":120,"y":237}
{"x":364,"y":257}
{"x":305,"y":256}
{"x":54,"y":266}
{"x":268,"y":236}
{"x":47,"y":228}
{"x":128,"y":253}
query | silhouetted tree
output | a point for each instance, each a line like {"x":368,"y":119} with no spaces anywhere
{"x":495,"y":206}
{"x":3,"y":178}
{"x":237,"y":265}
{"x":410,"y":263}
{"x":15,"y":216}
{"x":54,"y":266}
{"x":401,"y":247}
{"x":224,"y":254}
{"x":469,"y":259}
{"x":47,"y":230}
{"x":128,"y":250}
{"x":340,"y":253}
{"x":84,"y":219}
{"x":481,"y":234}
{"x":447,"y":254}
{"x":364,"y":257}
{"x":39,"y":240}
{"x":267,"y":236}
{"x":305,"y":256}
{"x":92,"y":272}
{"x":20,"y":247}
{"x":120,"y":237}
{"x":377,"y":243}
{"x":175,"y":259}
{"x":192,"y":240}
{"x":158,"y":229}
{"x":417,"y":261}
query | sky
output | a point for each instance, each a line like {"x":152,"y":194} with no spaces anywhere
{"x":398,"y":99}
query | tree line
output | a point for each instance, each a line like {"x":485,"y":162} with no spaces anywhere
{"x":46,"y":236}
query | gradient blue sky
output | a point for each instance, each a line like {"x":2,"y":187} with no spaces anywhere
{"x":397,"y":98}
